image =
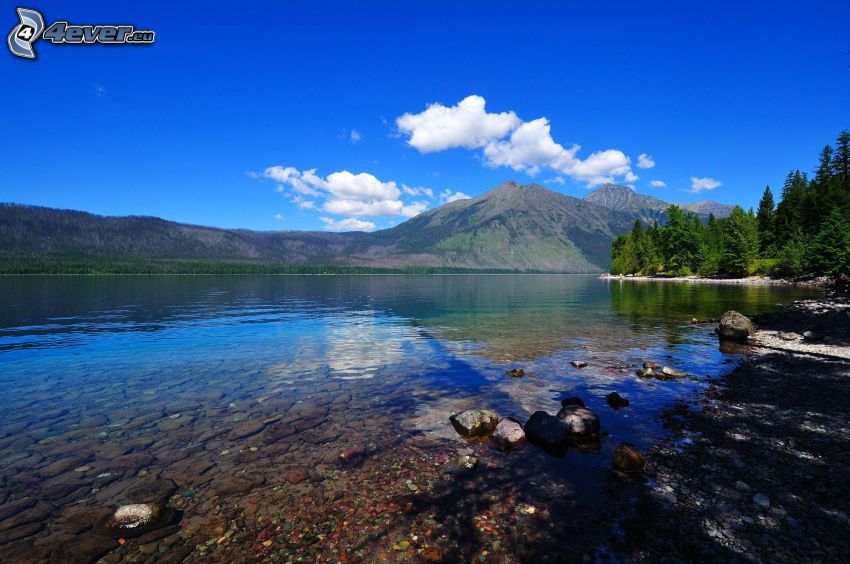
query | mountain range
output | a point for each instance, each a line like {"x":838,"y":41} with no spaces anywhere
{"x":512,"y":227}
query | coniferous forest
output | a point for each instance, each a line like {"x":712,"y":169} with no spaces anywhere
{"x":806,"y":233}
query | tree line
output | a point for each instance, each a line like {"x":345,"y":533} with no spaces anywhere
{"x":806,"y":233}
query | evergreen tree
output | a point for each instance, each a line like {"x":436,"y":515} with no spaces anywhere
{"x":789,"y":212}
{"x":841,"y":160}
{"x":830,"y":251}
{"x":765,"y":224}
{"x":824,"y":172}
{"x":681,"y":242}
{"x":740,"y":243}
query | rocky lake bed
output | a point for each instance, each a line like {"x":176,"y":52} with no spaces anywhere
{"x":632,"y":451}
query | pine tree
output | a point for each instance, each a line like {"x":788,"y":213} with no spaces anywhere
{"x":830,"y":251}
{"x":789,"y":212}
{"x":681,"y":242}
{"x":841,"y":159}
{"x":765,"y":223}
{"x":740,"y":243}
{"x":825,"y":171}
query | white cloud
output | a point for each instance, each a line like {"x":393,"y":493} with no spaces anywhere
{"x":506,"y":140}
{"x":466,"y":124}
{"x":279,"y":216}
{"x":702,"y":184}
{"x":417,"y":191}
{"x":447,"y":197}
{"x":355,"y":136}
{"x":303,"y":203}
{"x":347,"y":224}
{"x":556,"y":180}
{"x":645,"y":161}
{"x":529,"y":147}
{"x":348,"y":194}
{"x":657,"y":183}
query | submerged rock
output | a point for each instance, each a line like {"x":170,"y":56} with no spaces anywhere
{"x":136,"y":519}
{"x":616,"y":401}
{"x":572,"y":401}
{"x":460,"y":464}
{"x":578,"y":363}
{"x":645,"y":372}
{"x":353,"y":456}
{"x":668,"y":373}
{"x":474,"y":422}
{"x":516,"y":372}
{"x":508,"y":435}
{"x":627,"y":458}
{"x":734,"y":327}
{"x":547,"y":431}
{"x":579,"y":420}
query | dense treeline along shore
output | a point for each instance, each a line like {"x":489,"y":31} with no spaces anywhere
{"x":756,"y":467}
{"x":807,"y":233}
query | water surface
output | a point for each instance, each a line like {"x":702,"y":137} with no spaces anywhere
{"x":244,"y":390}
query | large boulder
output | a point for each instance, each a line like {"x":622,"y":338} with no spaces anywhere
{"x":628,"y":459}
{"x":734,"y":327}
{"x":580,"y":421}
{"x":474,"y":422}
{"x":508,"y":435}
{"x":548,"y":432}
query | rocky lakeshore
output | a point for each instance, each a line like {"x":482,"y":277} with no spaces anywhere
{"x":757,"y":466}
{"x":209,"y":441}
{"x":745,"y":281}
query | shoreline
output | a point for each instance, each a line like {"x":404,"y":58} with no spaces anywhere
{"x":821,"y":282}
{"x":759,"y":457}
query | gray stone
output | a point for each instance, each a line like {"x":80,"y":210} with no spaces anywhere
{"x":508,"y":435}
{"x":547,"y":431}
{"x":474,"y":422}
{"x":734,"y":327}
{"x":579,"y":420}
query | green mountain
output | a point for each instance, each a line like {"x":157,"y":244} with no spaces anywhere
{"x":512,"y":227}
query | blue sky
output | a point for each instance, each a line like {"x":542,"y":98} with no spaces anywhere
{"x":318,"y":115}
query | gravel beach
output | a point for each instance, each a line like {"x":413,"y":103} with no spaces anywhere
{"x":757,"y":467}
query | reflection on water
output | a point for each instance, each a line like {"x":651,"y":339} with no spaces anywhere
{"x":230,"y":386}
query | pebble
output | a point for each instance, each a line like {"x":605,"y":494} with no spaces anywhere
{"x":761,"y":500}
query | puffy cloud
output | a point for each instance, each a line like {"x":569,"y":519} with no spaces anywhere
{"x":529,"y":147}
{"x":447,"y":197}
{"x":507,"y":141}
{"x":657,"y":183}
{"x":703,"y":184}
{"x":279,"y":216}
{"x":347,"y":224}
{"x":355,"y":136}
{"x":348,"y":194}
{"x":645,"y":161}
{"x":466,"y":124}
{"x":556,"y":180}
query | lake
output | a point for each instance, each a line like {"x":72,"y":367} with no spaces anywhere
{"x":235,"y":396}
